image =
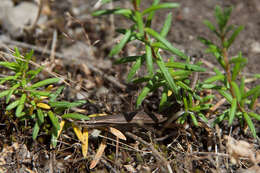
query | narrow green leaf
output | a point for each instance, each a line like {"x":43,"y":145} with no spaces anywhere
{"x":210,"y":86}
{"x":205,"y":41}
{"x":214,"y":78}
{"x":234,"y":35}
{"x":203,"y":117}
{"x":232,"y":111}
{"x":236,"y":90}
{"x":235,"y":71}
{"x":185,"y":66}
{"x":17,"y":52}
{"x":136,"y":66}
{"x":10,"y":65}
{"x":257,"y":76}
{"x":28,"y":56}
{"x":194,"y":119}
{"x":75,"y":116}
{"x":183,"y":85}
{"x":254,"y":115}
{"x":40,"y":93}
{"x":65,"y":104}
{"x":34,"y":73}
{"x":226,"y":95}
{"x":238,"y":59}
{"x":11,"y":91}
{"x":254,"y":99}
{"x":149,"y":59}
{"x":141,"y":79}
{"x":53,"y":96}
{"x":128,"y":59}
{"x":160,"y":6}
{"x":44,"y":82}
{"x":207,"y":98}
{"x":167,"y":75}
{"x":176,"y":74}
{"x":105,"y":1}
{"x":163,"y":100}
{"x":20,"y":107}
{"x":4,"y":93}
{"x":139,"y":20}
{"x":211,"y":27}
{"x":3,"y":80}
{"x":12,"y":105}
{"x":117,"y":48}
{"x":36,"y":130}
{"x":54,"y":137}
{"x":167,"y":25}
{"x":242,"y":86}
{"x":252,"y":91}
{"x":54,"y":120}
{"x":40,"y":116}
{"x":220,"y":18}
{"x":159,"y":45}
{"x":250,"y":124}
{"x":151,"y":14}
{"x":221,"y":117}
{"x":142,"y":95}
{"x":185,"y":103}
{"x":160,"y":38}
{"x":125,"y":12}
{"x":217,"y":71}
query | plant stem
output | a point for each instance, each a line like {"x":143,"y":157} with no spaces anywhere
{"x":228,"y":72}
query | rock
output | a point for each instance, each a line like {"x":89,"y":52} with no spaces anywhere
{"x":102,"y":91}
{"x":255,"y":47}
{"x":78,"y":51}
{"x":15,"y":18}
{"x":5,"y":5}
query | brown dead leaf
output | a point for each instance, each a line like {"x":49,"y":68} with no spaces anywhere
{"x":253,"y":169}
{"x":257,"y":157}
{"x":99,"y":154}
{"x":117,"y":133}
{"x":46,"y":9}
{"x":238,"y":149}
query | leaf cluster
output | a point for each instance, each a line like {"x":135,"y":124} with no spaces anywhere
{"x":170,"y":75}
{"x":173,"y":76}
{"x":34,"y":101}
{"x":231,"y":83}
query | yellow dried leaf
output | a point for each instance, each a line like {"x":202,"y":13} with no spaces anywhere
{"x":62,"y":123}
{"x":97,"y":115}
{"x":117,"y":133}
{"x":169,"y":93}
{"x":43,"y":97}
{"x":31,"y":110}
{"x":49,"y":88}
{"x":98,"y":155}
{"x":77,"y":132}
{"x":84,"y":146}
{"x":43,"y":106}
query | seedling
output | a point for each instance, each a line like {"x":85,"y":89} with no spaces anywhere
{"x":34,"y":101}
{"x":170,"y":75}
{"x":231,"y":83}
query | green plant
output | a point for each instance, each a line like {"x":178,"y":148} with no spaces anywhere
{"x":231,"y":83}
{"x":31,"y":100}
{"x":170,"y":75}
